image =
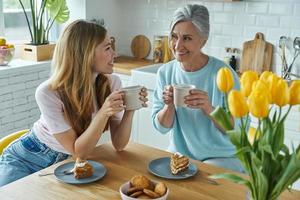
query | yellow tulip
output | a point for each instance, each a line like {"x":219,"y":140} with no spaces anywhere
{"x":247,"y":79}
{"x":262,"y":89}
{"x":294,"y":93}
{"x":265,"y":76}
{"x":225,"y":79}
{"x":237,"y":104}
{"x":281,"y":93}
{"x":258,"y":103}
{"x":273,"y":80}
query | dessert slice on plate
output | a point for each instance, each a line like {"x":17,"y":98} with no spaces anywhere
{"x":82,"y":169}
{"x":178,"y":163}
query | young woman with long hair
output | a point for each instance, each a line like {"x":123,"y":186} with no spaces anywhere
{"x":78,"y":103}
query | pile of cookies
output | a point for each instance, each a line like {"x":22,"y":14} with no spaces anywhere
{"x":142,"y":187}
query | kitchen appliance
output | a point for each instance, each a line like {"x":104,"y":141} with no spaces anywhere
{"x":140,"y":46}
{"x":257,"y":55}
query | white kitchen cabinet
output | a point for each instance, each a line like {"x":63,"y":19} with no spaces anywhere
{"x":126,"y":79}
{"x":146,"y":133}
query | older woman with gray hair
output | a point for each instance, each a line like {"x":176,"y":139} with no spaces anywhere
{"x":193,"y":132}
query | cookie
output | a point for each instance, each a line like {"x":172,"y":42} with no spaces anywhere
{"x":133,"y":190}
{"x":143,"y":196}
{"x":141,"y":181}
{"x":160,"y":188}
{"x":136,"y":194}
{"x":150,"y":193}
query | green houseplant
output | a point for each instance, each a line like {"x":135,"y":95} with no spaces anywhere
{"x":43,"y":14}
{"x":271,"y":167}
{"x":56,"y":10}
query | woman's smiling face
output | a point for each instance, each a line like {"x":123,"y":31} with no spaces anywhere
{"x":186,"y":41}
{"x":104,"y":57}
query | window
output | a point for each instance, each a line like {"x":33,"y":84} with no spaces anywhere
{"x":13,"y":25}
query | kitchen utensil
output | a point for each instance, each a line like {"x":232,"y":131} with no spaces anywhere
{"x":140,"y":46}
{"x":65,"y":172}
{"x":180,"y":91}
{"x":132,"y":99}
{"x":282,"y":47}
{"x":257,"y":55}
{"x":296,"y":45}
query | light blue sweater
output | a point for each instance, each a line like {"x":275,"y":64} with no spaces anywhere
{"x":193,"y":133}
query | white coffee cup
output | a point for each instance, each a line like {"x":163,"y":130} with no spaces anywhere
{"x":132,"y":97}
{"x":180,"y":91}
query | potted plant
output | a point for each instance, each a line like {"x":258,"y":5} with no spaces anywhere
{"x":39,"y":27}
{"x":271,"y":167}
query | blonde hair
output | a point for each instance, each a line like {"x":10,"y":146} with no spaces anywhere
{"x":72,"y":73}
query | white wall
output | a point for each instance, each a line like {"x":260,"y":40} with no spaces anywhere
{"x":232,"y":23}
{"x":1,"y":19}
{"x":18,"y":108}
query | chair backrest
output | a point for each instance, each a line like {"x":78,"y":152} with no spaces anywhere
{"x":4,"y":142}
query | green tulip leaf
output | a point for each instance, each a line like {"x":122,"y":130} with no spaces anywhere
{"x":222,"y":118}
{"x":231,"y":177}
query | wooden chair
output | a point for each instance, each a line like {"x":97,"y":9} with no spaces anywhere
{"x":4,"y":142}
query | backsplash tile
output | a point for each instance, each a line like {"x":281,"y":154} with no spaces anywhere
{"x":232,"y":23}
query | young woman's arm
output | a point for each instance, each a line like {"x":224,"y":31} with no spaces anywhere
{"x":83,"y":145}
{"x":120,"y":130}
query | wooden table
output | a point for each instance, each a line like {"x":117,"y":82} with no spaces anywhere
{"x":121,"y":166}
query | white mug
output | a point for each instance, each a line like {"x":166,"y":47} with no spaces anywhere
{"x":180,"y":91}
{"x":132,"y":97}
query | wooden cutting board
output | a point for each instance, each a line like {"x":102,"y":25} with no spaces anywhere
{"x":140,"y":46}
{"x":257,"y":55}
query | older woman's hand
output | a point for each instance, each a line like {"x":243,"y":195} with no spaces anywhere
{"x":199,"y":99}
{"x":143,"y":96}
{"x":168,"y":95}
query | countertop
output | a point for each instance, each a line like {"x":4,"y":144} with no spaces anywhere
{"x":124,"y":64}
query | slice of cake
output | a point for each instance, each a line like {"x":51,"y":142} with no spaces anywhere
{"x":178,"y":163}
{"x":82,"y":169}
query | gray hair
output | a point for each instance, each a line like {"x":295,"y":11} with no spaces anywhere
{"x":197,"y":14}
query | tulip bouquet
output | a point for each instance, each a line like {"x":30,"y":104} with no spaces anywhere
{"x":271,"y":167}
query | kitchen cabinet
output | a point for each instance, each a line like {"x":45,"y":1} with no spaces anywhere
{"x":125,"y":79}
{"x":145,"y":132}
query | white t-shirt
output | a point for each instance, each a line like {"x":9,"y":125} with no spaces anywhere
{"x":52,"y":119}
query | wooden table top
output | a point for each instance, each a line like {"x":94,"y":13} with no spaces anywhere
{"x":124,"y":64}
{"x":121,"y":166}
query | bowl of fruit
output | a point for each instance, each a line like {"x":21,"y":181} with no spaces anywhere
{"x":6,"y":52}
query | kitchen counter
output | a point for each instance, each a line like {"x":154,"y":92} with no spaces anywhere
{"x":124,"y":64}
